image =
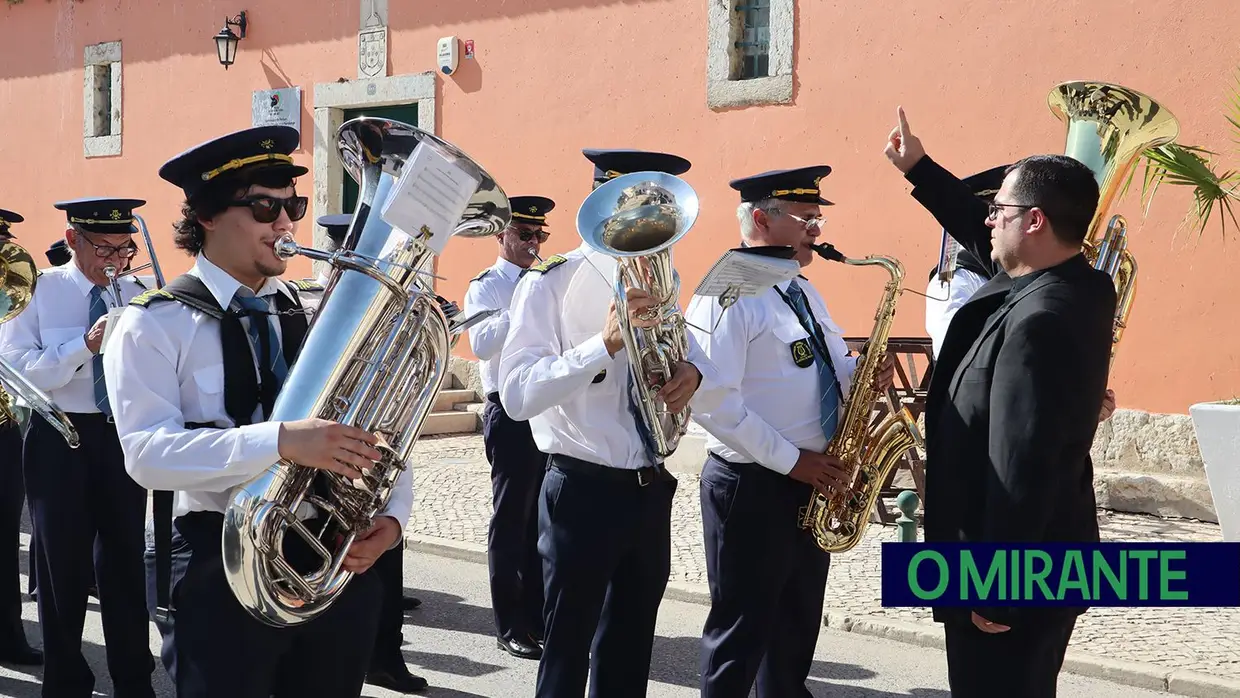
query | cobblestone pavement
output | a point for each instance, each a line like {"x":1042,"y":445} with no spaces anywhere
{"x":453,"y":490}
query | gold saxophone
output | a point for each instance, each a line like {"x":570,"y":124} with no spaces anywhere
{"x":838,"y":521}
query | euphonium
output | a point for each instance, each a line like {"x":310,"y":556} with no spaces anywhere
{"x":374,"y":357}
{"x":637,"y":218}
{"x":1108,"y":128}
{"x":18,"y":278}
{"x":838,"y":521}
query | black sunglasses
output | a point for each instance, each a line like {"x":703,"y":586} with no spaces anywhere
{"x":266,"y":209}
{"x":527,"y":235}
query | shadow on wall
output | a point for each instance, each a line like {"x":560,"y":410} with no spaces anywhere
{"x":161,"y":30}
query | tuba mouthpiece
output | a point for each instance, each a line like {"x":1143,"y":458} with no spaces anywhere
{"x":286,"y":247}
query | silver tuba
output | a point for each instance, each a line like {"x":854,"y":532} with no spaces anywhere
{"x":374,"y":357}
{"x":637,"y":218}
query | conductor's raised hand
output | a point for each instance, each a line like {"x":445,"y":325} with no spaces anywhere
{"x":327,"y":445}
{"x":903,"y":148}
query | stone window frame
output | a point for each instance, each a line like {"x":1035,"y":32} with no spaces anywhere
{"x":94,"y":56}
{"x":331,"y":100}
{"x":722,"y":89}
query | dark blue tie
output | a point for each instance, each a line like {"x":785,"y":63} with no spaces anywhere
{"x":827,"y":383}
{"x":99,"y":308}
{"x":643,"y":430}
{"x":259,"y":312}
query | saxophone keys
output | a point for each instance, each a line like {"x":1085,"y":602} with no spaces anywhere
{"x":856,"y":503}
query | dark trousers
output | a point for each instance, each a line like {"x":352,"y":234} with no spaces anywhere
{"x":1019,"y":663}
{"x":85,"y":506}
{"x":605,"y":540}
{"x":389,"y":569}
{"x":767,"y":580}
{"x":517,"y":469}
{"x":223,"y":652}
{"x":12,"y":496}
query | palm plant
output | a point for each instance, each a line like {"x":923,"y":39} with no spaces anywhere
{"x":1192,"y":166}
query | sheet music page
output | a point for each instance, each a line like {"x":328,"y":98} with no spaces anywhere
{"x":746,"y":274}
{"x":429,"y":198}
{"x":114,"y":316}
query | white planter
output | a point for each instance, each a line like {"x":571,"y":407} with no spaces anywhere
{"x":1218,"y":437}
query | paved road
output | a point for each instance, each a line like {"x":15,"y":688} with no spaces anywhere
{"x":453,"y":488}
{"x":450,"y":641}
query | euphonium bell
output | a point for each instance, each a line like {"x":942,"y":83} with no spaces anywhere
{"x":637,"y":218}
{"x":1108,"y":128}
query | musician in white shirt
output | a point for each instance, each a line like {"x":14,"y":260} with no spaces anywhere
{"x":87,"y":511}
{"x":191,"y":414}
{"x":789,"y":373}
{"x":517,"y":466}
{"x":14,"y":648}
{"x":604,"y":513}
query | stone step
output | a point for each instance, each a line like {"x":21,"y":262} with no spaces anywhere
{"x":452,"y":422}
{"x":448,"y":398}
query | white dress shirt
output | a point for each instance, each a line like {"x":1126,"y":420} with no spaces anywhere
{"x":492,"y":290}
{"x":172,"y":365}
{"x":957,"y":292}
{"x":774,"y":406}
{"x":47,"y":341}
{"x":554,"y":352}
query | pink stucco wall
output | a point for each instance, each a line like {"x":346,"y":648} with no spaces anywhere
{"x":554,"y":76}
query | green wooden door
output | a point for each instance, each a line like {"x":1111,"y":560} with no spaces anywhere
{"x":408,"y":113}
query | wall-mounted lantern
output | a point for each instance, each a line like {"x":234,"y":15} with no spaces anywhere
{"x":226,"y":40}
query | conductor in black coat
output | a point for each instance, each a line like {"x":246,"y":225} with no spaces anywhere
{"x":1014,"y":400}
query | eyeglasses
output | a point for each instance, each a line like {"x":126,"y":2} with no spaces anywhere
{"x":266,"y":209}
{"x":527,"y":235}
{"x":992,"y":210}
{"x":124,"y":251}
{"x":817,"y":222}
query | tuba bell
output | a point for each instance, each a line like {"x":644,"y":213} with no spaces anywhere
{"x":637,"y":218}
{"x":18,"y":278}
{"x":1108,"y":128}
{"x":375,"y":357}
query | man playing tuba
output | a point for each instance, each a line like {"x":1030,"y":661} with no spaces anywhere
{"x":194,"y":369}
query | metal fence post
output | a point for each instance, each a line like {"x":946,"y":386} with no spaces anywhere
{"x":907,"y":502}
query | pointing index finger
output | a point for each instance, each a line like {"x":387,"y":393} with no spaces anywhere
{"x":903,"y":121}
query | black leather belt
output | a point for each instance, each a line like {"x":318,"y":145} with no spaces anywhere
{"x":754,"y":468}
{"x":641,"y":476}
{"x":83,"y":417}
